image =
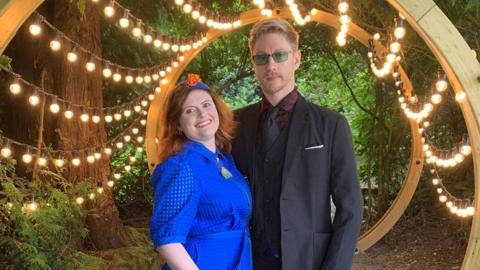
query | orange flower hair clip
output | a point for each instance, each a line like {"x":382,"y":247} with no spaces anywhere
{"x":193,"y":81}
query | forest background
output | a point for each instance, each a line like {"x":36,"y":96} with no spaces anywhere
{"x":111,"y":233}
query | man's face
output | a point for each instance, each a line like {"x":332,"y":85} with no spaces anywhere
{"x":276,"y":79}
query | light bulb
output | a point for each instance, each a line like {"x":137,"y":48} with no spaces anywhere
{"x":137,"y":108}
{"x":449,"y":204}
{"x":129,"y":79}
{"x":137,"y":31}
{"x":140,"y":139}
{"x":33,"y":206}
{"x":79,"y":200}
{"x":55,"y":44}
{"x":119,"y":145}
{"x":91,"y":196}
{"x":165,"y":46}
{"x":151,"y":97}
{"x":59,"y":162}
{"x":135,"y":130}
{"x":132,"y":159}
{"x":90,"y":158}
{"x":202,"y":19}
{"x":96,"y":118}
{"x":110,"y":183}
{"x":54,"y":107}
{"x":42,"y":161}
{"x":117,"y":76}
{"x":139,"y":79}
{"x":139,"y":149}
{"x":107,"y":151}
{"x":458,"y":158}
{"x":157,"y":43}
{"x":34,"y":99}
{"x":128,"y":168}
{"x":76,"y":162}
{"x":460,"y":96}
{"x":399,"y":32}
{"x":144,"y":103}
{"x":442,"y":198}
{"x":344,"y":19}
{"x":84,"y":117}
{"x":117,"y":116}
{"x":178,"y":2}
{"x":72,"y":56}
{"x":90,"y":65}
{"x":147,"y":78}
{"x":127,"y":113}
{"x":107,"y":72}
{"x":343,"y":7}
{"x":169,"y":69}
{"x":35,"y":28}
{"x":187,"y":8}
{"x":27,"y":157}
{"x":436,"y":98}
{"x":155,"y":76}
{"x":127,"y":138}
{"x":6,"y":151}
{"x":435,"y":181}
{"x":143,"y":122}
{"x":466,"y":150}
{"x":97,"y":155}
{"x":109,"y":11}
{"x":108,"y":118}
{"x":99,"y":190}
{"x":124,"y":21}
{"x":441,"y":85}
{"x":341,"y":41}
{"x":15,"y":87}
{"x":395,"y":47}
{"x":148,"y":38}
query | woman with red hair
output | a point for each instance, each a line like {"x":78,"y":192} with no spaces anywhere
{"x":202,"y":202}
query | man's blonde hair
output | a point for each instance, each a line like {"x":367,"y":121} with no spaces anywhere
{"x":279,"y":26}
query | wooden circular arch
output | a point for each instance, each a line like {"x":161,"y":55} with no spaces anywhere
{"x":428,"y":21}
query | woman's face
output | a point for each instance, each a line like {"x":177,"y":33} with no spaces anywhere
{"x":199,"y":119}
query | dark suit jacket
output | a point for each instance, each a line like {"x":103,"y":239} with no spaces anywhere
{"x":319,"y":163}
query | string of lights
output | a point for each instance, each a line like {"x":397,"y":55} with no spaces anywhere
{"x":410,"y":104}
{"x":393,"y":49}
{"x":113,"y":71}
{"x":460,"y":207}
{"x":85,"y":112}
{"x":206,"y":17}
{"x":446,"y":158}
{"x":265,"y":8}
{"x":60,"y":157}
{"x":344,"y":20}
{"x":140,"y":30}
{"x":297,"y":16}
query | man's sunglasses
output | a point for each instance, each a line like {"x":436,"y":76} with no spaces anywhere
{"x":278,"y":57}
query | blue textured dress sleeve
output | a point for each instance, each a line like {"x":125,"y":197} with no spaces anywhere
{"x":176,"y":202}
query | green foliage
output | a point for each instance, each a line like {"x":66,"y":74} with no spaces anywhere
{"x":5,"y":62}
{"x":45,"y":238}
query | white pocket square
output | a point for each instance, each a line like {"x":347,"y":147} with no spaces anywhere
{"x":314,"y":147}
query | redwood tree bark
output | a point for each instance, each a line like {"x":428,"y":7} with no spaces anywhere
{"x":33,"y":59}
{"x":73,"y":83}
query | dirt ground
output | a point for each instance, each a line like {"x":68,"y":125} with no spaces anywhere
{"x":431,"y":240}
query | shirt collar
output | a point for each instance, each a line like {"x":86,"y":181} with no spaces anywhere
{"x":286,"y":104}
{"x":204,"y":151}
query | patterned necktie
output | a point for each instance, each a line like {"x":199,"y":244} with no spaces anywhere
{"x":271,"y":130}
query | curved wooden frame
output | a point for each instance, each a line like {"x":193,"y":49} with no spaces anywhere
{"x":445,"y":42}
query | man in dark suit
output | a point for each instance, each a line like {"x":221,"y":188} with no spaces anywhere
{"x":296,"y":156}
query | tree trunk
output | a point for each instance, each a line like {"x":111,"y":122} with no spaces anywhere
{"x":33,"y":59}
{"x":73,"y":83}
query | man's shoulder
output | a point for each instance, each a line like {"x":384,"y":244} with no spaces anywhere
{"x":323,"y":112}
{"x":245,"y":111}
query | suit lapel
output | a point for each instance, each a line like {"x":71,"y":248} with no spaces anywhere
{"x":296,"y":133}
{"x":251,"y":139}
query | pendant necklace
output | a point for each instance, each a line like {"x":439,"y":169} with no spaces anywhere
{"x":223,"y":171}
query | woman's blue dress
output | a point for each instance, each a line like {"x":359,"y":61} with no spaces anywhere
{"x":196,"y":206}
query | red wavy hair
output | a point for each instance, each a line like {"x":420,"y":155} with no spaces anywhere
{"x":172,"y":141}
